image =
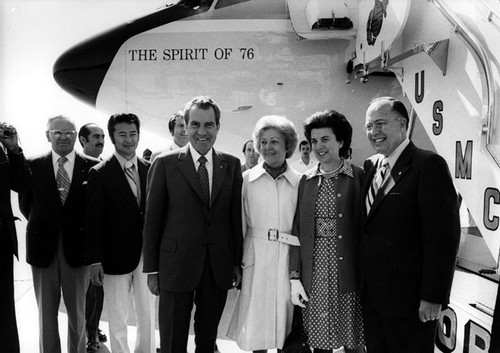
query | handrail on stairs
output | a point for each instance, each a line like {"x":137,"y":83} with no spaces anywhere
{"x":488,"y":113}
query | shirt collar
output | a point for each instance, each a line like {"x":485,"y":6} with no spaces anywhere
{"x":122,"y":160}
{"x":311,"y":162}
{"x":174,"y":146}
{"x":345,"y":168}
{"x":194,"y":153}
{"x":290,"y":174}
{"x":393,"y":157}
{"x":70,"y":157}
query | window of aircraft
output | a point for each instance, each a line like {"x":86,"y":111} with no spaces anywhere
{"x":196,"y":3}
{"x":224,"y":3}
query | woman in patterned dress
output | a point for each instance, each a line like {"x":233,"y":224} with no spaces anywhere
{"x":323,"y":270}
{"x":263,"y":312}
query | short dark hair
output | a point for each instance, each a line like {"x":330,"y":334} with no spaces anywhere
{"x":146,"y":154}
{"x":205,"y":103}
{"x":334,"y":120}
{"x":304,"y":142}
{"x":245,"y":145}
{"x":126,"y":118}
{"x":173,"y":119}
{"x":85,"y":132}
{"x":396,"y":106}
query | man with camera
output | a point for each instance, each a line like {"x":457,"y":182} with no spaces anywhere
{"x":14,"y":175}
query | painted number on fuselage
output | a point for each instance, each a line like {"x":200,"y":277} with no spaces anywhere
{"x":190,"y":54}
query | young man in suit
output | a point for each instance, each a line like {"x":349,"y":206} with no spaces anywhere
{"x":410,"y":238}
{"x":115,"y":207}
{"x":55,"y":239}
{"x":192,"y":232}
{"x":177,"y":128}
{"x":14,"y":175}
{"x":251,"y":156}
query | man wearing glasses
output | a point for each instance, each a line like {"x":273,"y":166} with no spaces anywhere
{"x":410,"y":236}
{"x":55,"y":244}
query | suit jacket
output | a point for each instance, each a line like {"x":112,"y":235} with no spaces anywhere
{"x":14,"y":175}
{"x":411,"y":235}
{"x":48,"y":219}
{"x":180,"y":230}
{"x":114,"y":218}
{"x":347,"y":187}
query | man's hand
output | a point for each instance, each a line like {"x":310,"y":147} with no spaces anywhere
{"x":236,"y":276}
{"x":154,"y":283}
{"x":96,"y":274}
{"x":8,"y":136}
{"x":298,"y":293}
{"x":428,"y":311}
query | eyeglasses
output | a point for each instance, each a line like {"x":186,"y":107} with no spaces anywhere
{"x":59,"y":133}
{"x":379,"y":125}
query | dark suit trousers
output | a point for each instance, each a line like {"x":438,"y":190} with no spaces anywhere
{"x":48,"y":282}
{"x":93,"y":309}
{"x":9,"y":339}
{"x":175,"y":315}
{"x":396,"y":335}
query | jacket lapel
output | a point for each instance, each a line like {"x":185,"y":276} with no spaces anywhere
{"x":219,"y":173}
{"x":186,"y":166}
{"x":120,"y":181}
{"x":399,"y":170}
{"x":143,"y":174}
{"x":79,"y":174}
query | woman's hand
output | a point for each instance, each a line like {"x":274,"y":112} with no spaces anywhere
{"x":298,"y":293}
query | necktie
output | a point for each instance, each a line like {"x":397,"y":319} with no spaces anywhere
{"x":203,"y":175}
{"x":62,"y":180}
{"x":378,"y":180}
{"x":130,"y":173}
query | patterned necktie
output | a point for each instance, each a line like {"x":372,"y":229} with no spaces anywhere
{"x":62,"y":180}
{"x":203,"y":175}
{"x":130,"y":173}
{"x":378,"y":180}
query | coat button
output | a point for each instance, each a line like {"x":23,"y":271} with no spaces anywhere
{"x":340,"y":236}
{"x":341,"y":215}
{"x":341,"y":258}
{"x":339,"y":195}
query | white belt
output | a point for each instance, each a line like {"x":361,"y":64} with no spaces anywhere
{"x":273,"y":235}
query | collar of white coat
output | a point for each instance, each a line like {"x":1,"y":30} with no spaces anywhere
{"x":290,"y":174}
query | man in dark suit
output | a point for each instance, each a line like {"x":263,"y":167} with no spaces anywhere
{"x":55,"y":239}
{"x":116,"y":200}
{"x":14,"y":175}
{"x":91,"y":137}
{"x":411,"y":235}
{"x":192,"y":232}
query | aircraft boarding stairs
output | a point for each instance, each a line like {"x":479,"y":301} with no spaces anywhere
{"x":446,"y":56}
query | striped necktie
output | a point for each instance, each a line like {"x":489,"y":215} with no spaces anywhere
{"x":62,"y":180}
{"x":130,"y":173}
{"x":203,"y":175}
{"x":378,"y":180}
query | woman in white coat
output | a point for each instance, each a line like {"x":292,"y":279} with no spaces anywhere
{"x":263,"y":313}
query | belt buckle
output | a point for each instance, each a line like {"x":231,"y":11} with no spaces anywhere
{"x":273,"y":234}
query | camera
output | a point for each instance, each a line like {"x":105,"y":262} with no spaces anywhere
{"x":7,"y":131}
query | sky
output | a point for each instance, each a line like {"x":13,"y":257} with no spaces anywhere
{"x":33,"y":33}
